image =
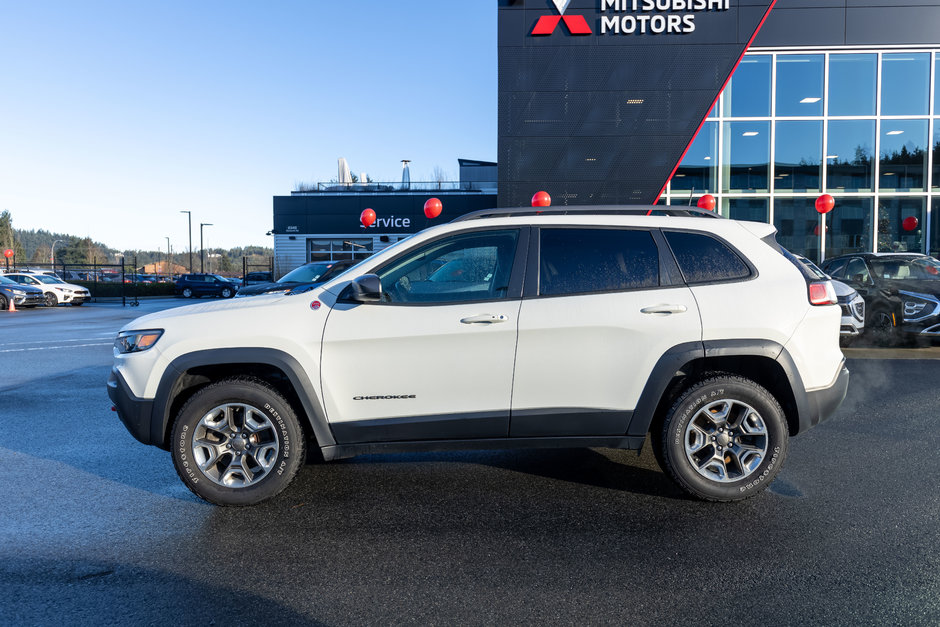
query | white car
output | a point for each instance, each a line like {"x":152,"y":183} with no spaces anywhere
{"x":55,"y":290}
{"x":559,"y":328}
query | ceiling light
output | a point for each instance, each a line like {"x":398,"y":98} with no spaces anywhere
{"x":750,"y":133}
{"x":810,"y":100}
{"x":894,"y":133}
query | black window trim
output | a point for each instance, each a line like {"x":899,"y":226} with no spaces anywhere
{"x":747,"y":262}
{"x":669,"y":276}
{"x":516,"y":276}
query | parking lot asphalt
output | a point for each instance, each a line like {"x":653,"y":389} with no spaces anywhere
{"x":97,"y":529}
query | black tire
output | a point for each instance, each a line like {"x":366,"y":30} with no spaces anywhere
{"x":187,"y":292}
{"x":227,"y":293}
{"x":750,"y":455}
{"x":880,"y":328}
{"x":4,"y":305}
{"x":77,"y":303}
{"x":846,"y":340}
{"x":51,"y":300}
{"x":246,"y":469}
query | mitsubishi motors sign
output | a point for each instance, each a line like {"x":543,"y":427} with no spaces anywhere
{"x":631,"y":17}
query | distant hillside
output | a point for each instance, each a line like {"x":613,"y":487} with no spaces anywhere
{"x":35,"y":246}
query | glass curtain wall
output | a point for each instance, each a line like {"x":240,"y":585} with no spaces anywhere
{"x":861,"y":125}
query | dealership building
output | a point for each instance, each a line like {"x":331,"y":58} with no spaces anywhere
{"x":599,"y":102}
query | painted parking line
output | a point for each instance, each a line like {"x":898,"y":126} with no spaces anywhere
{"x":50,"y":348}
{"x":95,"y":337}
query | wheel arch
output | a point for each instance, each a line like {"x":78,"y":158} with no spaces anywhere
{"x":189,"y":373}
{"x":765,"y":362}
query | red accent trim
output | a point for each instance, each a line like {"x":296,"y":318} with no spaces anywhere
{"x":546,"y":25}
{"x":577,"y":25}
{"x":715,"y":101}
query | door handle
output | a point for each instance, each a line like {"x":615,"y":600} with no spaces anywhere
{"x":664,"y":309}
{"x":484,"y":319}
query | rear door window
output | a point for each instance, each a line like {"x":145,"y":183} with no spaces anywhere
{"x":586,"y":261}
{"x":705,"y":259}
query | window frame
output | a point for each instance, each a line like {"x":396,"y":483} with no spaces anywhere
{"x":669,"y":276}
{"x":515,"y":277}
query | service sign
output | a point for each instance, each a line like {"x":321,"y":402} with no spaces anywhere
{"x":631,"y":17}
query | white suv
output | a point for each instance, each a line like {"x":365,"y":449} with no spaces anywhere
{"x":506,"y":328}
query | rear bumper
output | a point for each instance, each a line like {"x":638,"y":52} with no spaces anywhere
{"x":136,"y":413}
{"x":825,"y":401}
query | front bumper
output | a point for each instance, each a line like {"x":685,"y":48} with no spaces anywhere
{"x":136,"y":413}
{"x":29,"y":300}
{"x":825,"y":401}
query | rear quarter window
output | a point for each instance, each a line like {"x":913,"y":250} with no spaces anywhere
{"x":705,"y":259}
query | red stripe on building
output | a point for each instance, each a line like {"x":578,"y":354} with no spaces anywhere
{"x":577,"y":25}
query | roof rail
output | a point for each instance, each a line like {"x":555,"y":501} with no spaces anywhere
{"x":619,"y":210}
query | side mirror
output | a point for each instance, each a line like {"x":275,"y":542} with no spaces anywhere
{"x":364,"y":289}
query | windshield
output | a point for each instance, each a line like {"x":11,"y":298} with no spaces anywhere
{"x":3,"y":279}
{"x":906,"y":268}
{"x":306,"y":274}
{"x":45,"y":278}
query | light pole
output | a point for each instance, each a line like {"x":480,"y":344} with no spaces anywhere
{"x":202,"y":251}
{"x":190,"y":214}
{"x":167,"y":269}
{"x":52,"y":254}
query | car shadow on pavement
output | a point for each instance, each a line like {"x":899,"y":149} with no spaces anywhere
{"x":81,"y":591}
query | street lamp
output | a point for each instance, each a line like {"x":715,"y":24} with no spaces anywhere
{"x":190,"y":214}
{"x":202,"y":251}
{"x":167,"y":268}
{"x":52,"y":254}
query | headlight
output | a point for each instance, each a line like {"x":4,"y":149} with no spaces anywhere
{"x":136,"y":341}
{"x":916,"y":307}
{"x":18,"y":292}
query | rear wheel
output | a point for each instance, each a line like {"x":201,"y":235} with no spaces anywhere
{"x":881,"y":328}
{"x":237,"y":442}
{"x":724,"y":439}
{"x":226,"y":292}
{"x":51,"y":300}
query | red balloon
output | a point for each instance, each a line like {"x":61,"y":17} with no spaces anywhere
{"x":541,"y":199}
{"x":910,"y":223}
{"x":433,"y":208}
{"x":367,"y":217}
{"x":706,"y":202}
{"x":8,"y":253}
{"x":825,"y":203}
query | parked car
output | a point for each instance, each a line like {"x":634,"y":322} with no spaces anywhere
{"x":591,"y":327}
{"x":21,"y":295}
{"x":55,"y":290}
{"x":310,"y":274}
{"x":851,"y":302}
{"x":901,"y":292}
{"x":202,"y":284}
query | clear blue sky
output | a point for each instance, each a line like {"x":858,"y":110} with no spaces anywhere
{"x":114,"y":116}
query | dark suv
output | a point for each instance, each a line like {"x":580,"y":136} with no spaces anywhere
{"x":200,"y":284}
{"x":901,"y":292}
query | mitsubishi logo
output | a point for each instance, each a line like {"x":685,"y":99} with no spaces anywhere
{"x":576,"y":24}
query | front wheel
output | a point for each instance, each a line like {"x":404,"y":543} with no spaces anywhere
{"x":226,"y":293}
{"x":51,"y":300}
{"x":237,"y":442}
{"x":724,"y":439}
{"x":187,"y":293}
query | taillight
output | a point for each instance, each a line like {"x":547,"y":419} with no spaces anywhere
{"x":822,"y":293}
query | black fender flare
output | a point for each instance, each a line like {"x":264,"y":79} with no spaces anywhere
{"x":677,"y":358}
{"x":168,"y":387}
